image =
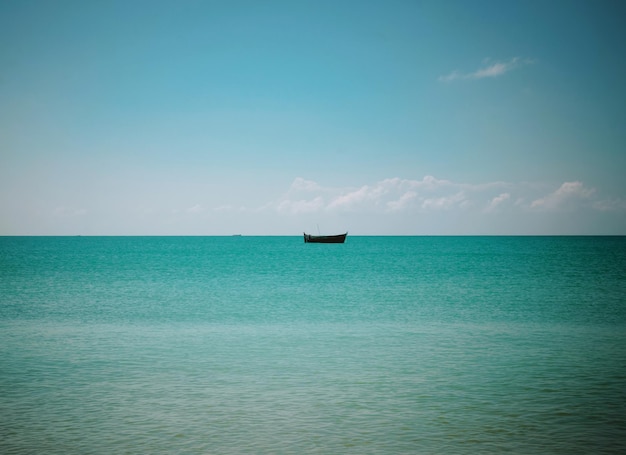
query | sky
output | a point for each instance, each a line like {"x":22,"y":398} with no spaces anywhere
{"x":438,"y":117}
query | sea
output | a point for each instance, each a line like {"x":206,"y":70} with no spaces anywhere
{"x":268,"y":345}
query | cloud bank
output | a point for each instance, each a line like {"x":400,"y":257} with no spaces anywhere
{"x":392,"y":206}
{"x":430,"y":194}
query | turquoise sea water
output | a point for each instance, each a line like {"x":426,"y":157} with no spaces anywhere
{"x":382,"y":345}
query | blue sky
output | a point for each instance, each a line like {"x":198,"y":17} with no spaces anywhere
{"x":272,"y":118}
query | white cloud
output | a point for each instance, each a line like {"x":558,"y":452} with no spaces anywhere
{"x":430,"y":198}
{"x":366,"y":196}
{"x":300,"y":206}
{"x":300,"y":184}
{"x":564,"y":196}
{"x":497,"y":69}
{"x":195,"y":209}
{"x":444,"y":202}
{"x":404,"y":201}
{"x":388,"y":195}
{"x":429,"y":182}
{"x":497,"y":201}
{"x":492,"y":70}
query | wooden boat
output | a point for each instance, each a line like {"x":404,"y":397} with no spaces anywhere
{"x":308,"y":238}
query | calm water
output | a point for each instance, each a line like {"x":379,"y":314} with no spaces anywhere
{"x":383,"y":345}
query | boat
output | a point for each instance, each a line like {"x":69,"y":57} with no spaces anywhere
{"x":308,"y":238}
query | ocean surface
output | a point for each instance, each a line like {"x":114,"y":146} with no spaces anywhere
{"x":268,"y":345}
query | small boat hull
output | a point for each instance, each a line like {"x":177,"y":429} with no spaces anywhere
{"x":341,"y":238}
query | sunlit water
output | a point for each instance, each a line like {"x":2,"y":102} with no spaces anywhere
{"x":382,"y":345}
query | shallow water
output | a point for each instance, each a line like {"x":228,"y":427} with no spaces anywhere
{"x":452,"y":345}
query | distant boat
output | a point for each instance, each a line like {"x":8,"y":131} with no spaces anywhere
{"x":308,"y":238}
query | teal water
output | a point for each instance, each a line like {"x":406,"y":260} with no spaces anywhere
{"x":382,"y":345}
